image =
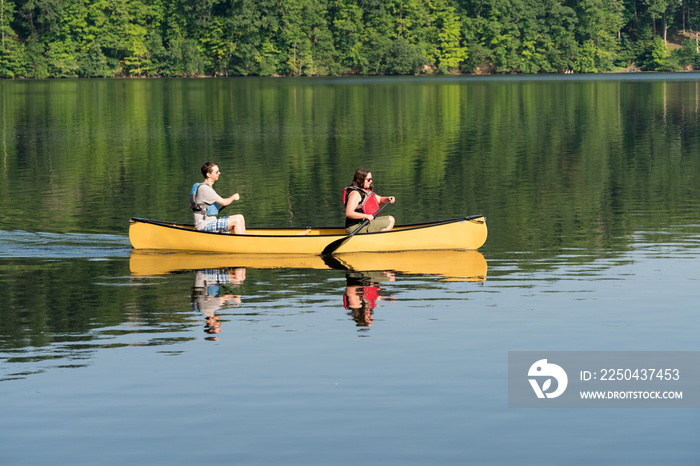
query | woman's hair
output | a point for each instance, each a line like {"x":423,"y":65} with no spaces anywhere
{"x":207,"y":167}
{"x":359,"y":179}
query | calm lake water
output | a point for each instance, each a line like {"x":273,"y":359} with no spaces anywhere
{"x":591,"y":187}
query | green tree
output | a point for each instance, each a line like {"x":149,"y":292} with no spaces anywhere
{"x":255,"y":31}
{"x":657,"y":9}
{"x":587,"y":58}
{"x":305,"y":39}
{"x":447,"y":52}
{"x":61,"y":59}
{"x":402,"y":58}
{"x":559,"y":35}
{"x":347,"y":27}
{"x":599,"y":24}
{"x":12,"y":51}
{"x":495,"y":34}
{"x":656,"y":56}
{"x":395,"y":37}
{"x":217,"y":45}
{"x":178,"y":54}
{"x":687,"y":55}
{"x":93,"y":63}
{"x":409,"y":19}
{"x":93,"y":38}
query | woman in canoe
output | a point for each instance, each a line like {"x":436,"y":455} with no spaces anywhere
{"x":206,"y":204}
{"x":361,"y":203}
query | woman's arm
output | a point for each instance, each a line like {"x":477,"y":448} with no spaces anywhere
{"x":353,"y":201}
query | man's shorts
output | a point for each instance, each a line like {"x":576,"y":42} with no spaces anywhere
{"x":220,"y":225}
{"x":374,"y":226}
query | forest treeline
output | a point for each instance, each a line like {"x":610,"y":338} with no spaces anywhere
{"x":178,"y":38}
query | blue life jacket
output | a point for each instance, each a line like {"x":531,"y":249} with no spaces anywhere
{"x":210,"y":210}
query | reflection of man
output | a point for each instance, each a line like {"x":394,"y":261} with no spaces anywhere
{"x":209,"y":294}
{"x":362,"y":293}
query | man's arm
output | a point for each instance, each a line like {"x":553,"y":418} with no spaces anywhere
{"x":228,"y":200}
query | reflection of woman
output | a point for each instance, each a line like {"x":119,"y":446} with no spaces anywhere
{"x":361,"y":296}
{"x":361,"y":301}
{"x":207,"y":297}
{"x":361,"y":203}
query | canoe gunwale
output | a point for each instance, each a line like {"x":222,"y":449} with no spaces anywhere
{"x":398,"y":228}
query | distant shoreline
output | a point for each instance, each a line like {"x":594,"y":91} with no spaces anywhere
{"x":417,"y":75}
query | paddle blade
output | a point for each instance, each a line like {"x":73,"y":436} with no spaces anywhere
{"x":330,"y":249}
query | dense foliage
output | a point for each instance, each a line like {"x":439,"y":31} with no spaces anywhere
{"x":104,"y":38}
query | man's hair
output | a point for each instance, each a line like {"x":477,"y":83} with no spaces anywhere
{"x":207,"y":168}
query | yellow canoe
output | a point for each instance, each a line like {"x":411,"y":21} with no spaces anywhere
{"x":456,"y":265}
{"x":460,"y":233}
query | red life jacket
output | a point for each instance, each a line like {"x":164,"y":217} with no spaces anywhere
{"x":369,"y":204}
{"x":369,"y":296}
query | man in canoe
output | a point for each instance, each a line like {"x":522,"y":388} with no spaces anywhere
{"x":361,"y":203}
{"x":206,"y":204}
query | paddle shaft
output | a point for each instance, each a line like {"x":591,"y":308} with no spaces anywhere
{"x":366,"y":221}
{"x":331,"y":248}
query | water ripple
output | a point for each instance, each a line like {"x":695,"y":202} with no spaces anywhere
{"x":22,"y":244}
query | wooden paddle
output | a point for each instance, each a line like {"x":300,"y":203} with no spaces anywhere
{"x":331,"y":248}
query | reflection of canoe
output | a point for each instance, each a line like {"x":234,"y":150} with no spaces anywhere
{"x":165,"y":262}
{"x":461,"y":233}
{"x":451,"y":265}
